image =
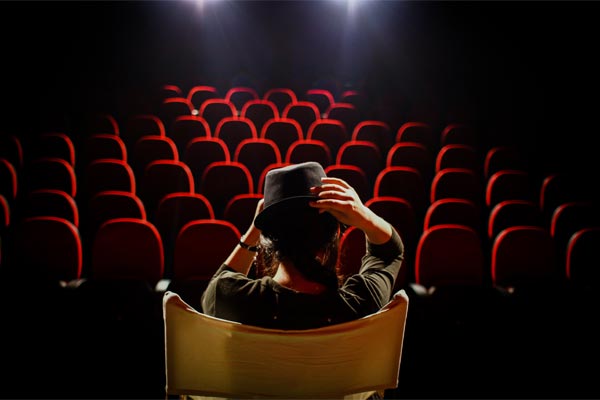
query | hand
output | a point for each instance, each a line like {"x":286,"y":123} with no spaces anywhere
{"x":341,"y":200}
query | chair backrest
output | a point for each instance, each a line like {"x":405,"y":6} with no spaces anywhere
{"x":345,"y":112}
{"x":108,"y":174}
{"x":221,"y":181}
{"x":201,"y":247}
{"x":330,"y":131}
{"x":459,"y":133}
{"x":174,"y":107}
{"x":418,"y":132}
{"x":322,"y":98}
{"x":524,"y":256}
{"x":233,"y":130}
{"x":281,"y":97}
{"x":47,"y":247}
{"x":448,"y":255}
{"x":151,"y":148}
{"x":309,"y":150}
{"x":411,"y":154}
{"x":51,"y":203}
{"x":101,"y":123}
{"x":259,"y":111}
{"x":53,"y":144}
{"x":498,"y":158}
{"x":283,"y":131}
{"x":378,"y":132}
{"x":128,"y":248}
{"x":200,"y":93}
{"x":363,"y":154}
{"x":509,"y":184}
{"x":453,"y":210}
{"x":51,"y":173}
{"x":214,"y":110}
{"x":356,"y":357}
{"x":200,"y":152}
{"x":240,"y":95}
{"x":186,"y":128}
{"x":9,"y":180}
{"x":304,"y":112}
{"x":240,"y":210}
{"x":140,"y":125}
{"x":458,"y":156}
{"x":462,"y":183}
{"x":403,"y":182}
{"x":161,"y":178}
{"x":103,"y":145}
{"x":257,"y":154}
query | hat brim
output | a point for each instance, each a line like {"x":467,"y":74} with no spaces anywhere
{"x":286,"y":209}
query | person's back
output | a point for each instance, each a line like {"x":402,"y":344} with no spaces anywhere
{"x":283,"y":272}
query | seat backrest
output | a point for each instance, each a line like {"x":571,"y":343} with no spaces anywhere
{"x":281,"y":97}
{"x":201,"y":247}
{"x":240,"y":210}
{"x":46,"y":247}
{"x":411,"y":154}
{"x":345,"y":112}
{"x":524,"y":256}
{"x":458,"y":156}
{"x":221,"y":181}
{"x":378,"y":132}
{"x":103,"y":145}
{"x":360,"y":356}
{"x":174,"y":107}
{"x":161,"y":178}
{"x":186,"y":128}
{"x":128,"y":248}
{"x":283,"y":131}
{"x":418,"y":132}
{"x":233,"y":130}
{"x":259,"y":111}
{"x":309,"y":150}
{"x":448,"y":255}
{"x":403,"y":182}
{"x":108,"y":174}
{"x":304,"y":112}
{"x":363,"y":154}
{"x":214,"y":110}
{"x":200,"y":93}
{"x":498,"y":158}
{"x":510,"y":184}
{"x":51,"y":173}
{"x":322,"y":98}
{"x":53,"y":144}
{"x":240,"y":95}
{"x":330,"y":131}
{"x":200,"y":152}
{"x":51,"y":203}
{"x":257,"y":154}
{"x":140,"y":125}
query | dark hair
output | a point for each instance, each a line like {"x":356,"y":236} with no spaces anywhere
{"x":300,"y":238}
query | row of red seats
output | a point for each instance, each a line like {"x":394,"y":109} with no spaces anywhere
{"x":446,"y":254}
{"x":177,"y":208}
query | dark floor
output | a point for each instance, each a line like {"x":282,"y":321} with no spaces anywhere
{"x":95,"y":342}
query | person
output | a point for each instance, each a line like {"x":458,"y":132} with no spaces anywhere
{"x":293,"y":245}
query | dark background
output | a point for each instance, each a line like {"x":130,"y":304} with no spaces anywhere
{"x":523,"y":72}
{"x":526,"y":71}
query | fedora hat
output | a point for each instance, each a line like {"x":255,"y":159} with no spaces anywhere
{"x":287,"y":191}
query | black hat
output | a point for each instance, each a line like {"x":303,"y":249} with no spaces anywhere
{"x":286,"y":190}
